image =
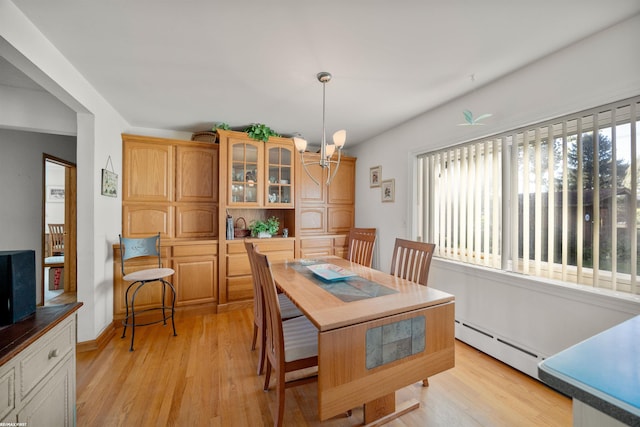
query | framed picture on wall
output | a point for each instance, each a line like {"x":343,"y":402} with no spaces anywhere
{"x":388,"y":190}
{"x":55,"y":193}
{"x":109,"y":183}
{"x":375,"y":176}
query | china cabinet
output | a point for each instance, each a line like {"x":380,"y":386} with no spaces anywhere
{"x":259,"y":175}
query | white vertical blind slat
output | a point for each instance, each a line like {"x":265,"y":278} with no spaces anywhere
{"x":551,"y":194}
{"x":515,"y":218}
{"x":497,"y":200}
{"x":614,"y":203}
{"x":538,"y":204}
{"x":579,"y":204}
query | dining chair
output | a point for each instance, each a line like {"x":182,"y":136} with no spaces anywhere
{"x":287,"y":308}
{"x":147,"y":247}
{"x":411,"y":260}
{"x":56,"y":239}
{"x":291,"y":345}
{"x":361,"y":244}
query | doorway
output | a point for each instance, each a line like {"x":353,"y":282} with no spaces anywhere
{"x":59,"y":262}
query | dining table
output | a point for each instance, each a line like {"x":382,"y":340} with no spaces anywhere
{"x":377,"y":333}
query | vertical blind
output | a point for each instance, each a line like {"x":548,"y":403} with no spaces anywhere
{"x":558,"y":199}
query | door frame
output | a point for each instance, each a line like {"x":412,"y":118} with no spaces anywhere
{"x":70,"y":221}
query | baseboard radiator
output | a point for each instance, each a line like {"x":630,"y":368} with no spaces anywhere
{"x":501,"y":348}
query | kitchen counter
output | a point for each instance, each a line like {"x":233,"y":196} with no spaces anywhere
{"x":603,"y":373}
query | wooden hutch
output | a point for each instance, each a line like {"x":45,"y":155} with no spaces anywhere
{"x":186,"y":189}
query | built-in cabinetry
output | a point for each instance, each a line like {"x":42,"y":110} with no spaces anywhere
{"x":239,"y":281}
{"x":186,"y":189}
{"x":256,"y":182}
{"x":325,"y":213}
{"x":38,"y":369}
{"x":171,"y":186}
{"x":196,"y":275}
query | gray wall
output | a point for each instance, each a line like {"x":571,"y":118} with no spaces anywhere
{"x":21,"y":190}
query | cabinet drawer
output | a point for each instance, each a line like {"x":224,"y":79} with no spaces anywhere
{"x":316,"y":243}
{"x":193,"y":250}
{"x":42,"y":357}
{"x":7,"y":391}
{"x":316,"y":252}
{"x":238,"y":265}
{"x":341,"y":241}
{"x":264,"y":245}
{"x":278,"y":256}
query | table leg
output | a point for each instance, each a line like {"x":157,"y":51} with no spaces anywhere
{"x":383,"y":410}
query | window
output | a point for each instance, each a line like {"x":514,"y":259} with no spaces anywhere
{"x":558,"y":199}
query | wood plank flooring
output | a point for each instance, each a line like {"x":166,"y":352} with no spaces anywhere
{"x":206,"y":377}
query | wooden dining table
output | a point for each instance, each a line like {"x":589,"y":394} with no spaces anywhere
{"x":376,"y":334}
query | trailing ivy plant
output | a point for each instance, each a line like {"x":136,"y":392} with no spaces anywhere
{"x":260,"y":132}
{"x":223,"y":126}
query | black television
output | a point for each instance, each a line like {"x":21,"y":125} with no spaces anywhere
{"x":17,"y":285}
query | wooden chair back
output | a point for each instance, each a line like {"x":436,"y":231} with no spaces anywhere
{"x":258,"y":303}
{"x":361,"y":244}
{"x":411,"y":260}
{"x":273,"y":319}
{"x":139,"y":247}
{"x":56,"y":239}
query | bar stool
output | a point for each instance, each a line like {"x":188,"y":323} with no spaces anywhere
{"x":148,"y":247}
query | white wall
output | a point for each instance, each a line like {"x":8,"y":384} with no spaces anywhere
{"x":597,"y":70}
{"x":98,"y":129}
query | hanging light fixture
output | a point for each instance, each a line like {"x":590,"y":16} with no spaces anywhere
{"x":326,"y":151}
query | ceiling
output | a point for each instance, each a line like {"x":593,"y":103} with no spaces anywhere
{"x":185,"y":65}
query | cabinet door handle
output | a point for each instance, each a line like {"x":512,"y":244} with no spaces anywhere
{"x":53,"y":353}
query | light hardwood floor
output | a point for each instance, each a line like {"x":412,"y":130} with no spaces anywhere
{"x":206,"y":377}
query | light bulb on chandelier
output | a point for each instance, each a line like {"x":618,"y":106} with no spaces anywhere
{"x":326,"y":150}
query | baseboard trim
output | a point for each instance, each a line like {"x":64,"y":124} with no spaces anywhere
{"x":99,"y":343}
{"x":230,"y":306}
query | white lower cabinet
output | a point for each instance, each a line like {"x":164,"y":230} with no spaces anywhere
{"x":39,"y":383}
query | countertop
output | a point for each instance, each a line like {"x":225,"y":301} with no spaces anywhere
{"x":602,"y":371}
{"x":18,"y":336}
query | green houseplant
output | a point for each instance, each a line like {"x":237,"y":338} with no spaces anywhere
{"x":265,"y":228}
{"x":260,"y":132}
{"x":222,"y":125}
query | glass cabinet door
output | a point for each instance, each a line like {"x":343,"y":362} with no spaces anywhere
{"x":279,"y":175}
{"x":245,"y":173}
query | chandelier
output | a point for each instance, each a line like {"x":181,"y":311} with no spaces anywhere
{"x":326,"y":151}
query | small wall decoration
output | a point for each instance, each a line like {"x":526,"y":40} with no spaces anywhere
{"x":55,"y":193}
{"x":109,"y":180}
{"x":375,"y":176}
{"x":388,"y":190}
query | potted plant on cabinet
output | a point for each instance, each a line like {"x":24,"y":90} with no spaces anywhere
{"x":267,"y":228}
